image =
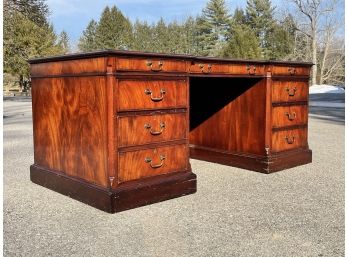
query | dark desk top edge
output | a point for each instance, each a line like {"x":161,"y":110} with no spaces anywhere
{"x":106,"y":53}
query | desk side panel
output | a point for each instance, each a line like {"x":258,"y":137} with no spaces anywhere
{"x":70,"y":126}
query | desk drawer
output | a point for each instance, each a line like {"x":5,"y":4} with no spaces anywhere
{"x":152,"y":94}
{"x":289,"y":70}
{"x":221,"y":68}
{"x":152,"y":162}
{"x":138,"y":130}
{"x":289,"y":139}
{"x":283,"y":116}
{"x":289,"y":91}
{"x":150,"y":65}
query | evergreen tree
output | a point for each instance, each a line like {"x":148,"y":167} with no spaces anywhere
{"x":161,"y":37}
{"x":189,"y":32}
{"x":242,"y":40}
{"x":281,"y":39}
{"x":26,"y":37}
{"x":34,"y":10}
{"x":213,"y":27}
{"x":63,"y":42}
{"x":259,"y":16}
{"x":114,"y":30}
{"x":243,"y":43}
{"x":87,"y":41}
{"x":142,"y":36}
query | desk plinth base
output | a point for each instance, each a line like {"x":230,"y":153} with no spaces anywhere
{"x":127,"y":196}
{"x":264,"y":164}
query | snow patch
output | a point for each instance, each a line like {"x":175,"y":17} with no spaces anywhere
{"x":322,"y":89}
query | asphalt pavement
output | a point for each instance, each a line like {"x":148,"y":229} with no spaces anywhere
{"x":235,"y":212}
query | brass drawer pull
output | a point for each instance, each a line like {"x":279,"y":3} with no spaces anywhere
{"x":158,"y":68}
{"x":290,"y":140}
{"x":252,"y":70}
{"x":155,"y":166}
{"x":292,"y":70}
{"x":203,"y":70}
{"x":293,"y":91}
{"x":148,"y":126}
{"x":155,"y":99}
{"x":291,"y":116}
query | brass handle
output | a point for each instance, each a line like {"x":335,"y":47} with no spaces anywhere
{"x":148,"y":126}
{"x":155,"y":99}
{"x":293,"y":91}
{"x":252,"y":70}
{"x":292,"y":70}
{"x":290,"y":140}
{"x":203,"y":70}
{"x":155,"y":166}
{"x":291,"y":116}
{"x":159,"y":66}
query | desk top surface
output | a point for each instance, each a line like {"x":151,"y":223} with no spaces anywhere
{"x":116,"y":53}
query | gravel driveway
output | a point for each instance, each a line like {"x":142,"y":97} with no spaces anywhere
{"x":235,"y":212}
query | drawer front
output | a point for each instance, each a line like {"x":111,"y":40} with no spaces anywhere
{"x":283,"y":116}
{"x":150,"y":65}
{"x":234,"y":69}
{"x":152,"y":162}
{"x":138,"y":130}
{"x":152,"y":94}
{"x":289,"y":70}
{"x":289,"y":139}
{"x":288,"y":91}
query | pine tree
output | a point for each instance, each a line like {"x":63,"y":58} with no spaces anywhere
{"x":190,"y":42}
{"x":87,"y":41}
{"x":142,"y":36}
{"x":161,"y":37}
{"x":114,"y":30}
{"x":213,"y":27}
{"x":63,"y":42}
{"x":281,"y":42}
{"x":243,"y":43}
{"x":259,"y":16}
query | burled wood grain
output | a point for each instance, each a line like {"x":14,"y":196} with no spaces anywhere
{"x":289,"y":91}
{"x":132,"y":96}
{"x":290,"y":70}
{"x":144,"y":129}
{"x":150,"y":65}
{"x":289,"y":115}
{"x":289,"y":139}
{"x":95,"y":65}
{"x":132,"y":164}
{"x":226,"y":68}
{"x":70,"y":128}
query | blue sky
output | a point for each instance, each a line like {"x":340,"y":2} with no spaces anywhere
{"x":74,"y":15}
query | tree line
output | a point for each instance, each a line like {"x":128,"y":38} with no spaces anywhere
{"x":310,"y":30}
{"x":250,"y":33}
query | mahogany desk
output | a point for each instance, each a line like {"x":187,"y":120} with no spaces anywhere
{"x":115,"y":129}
